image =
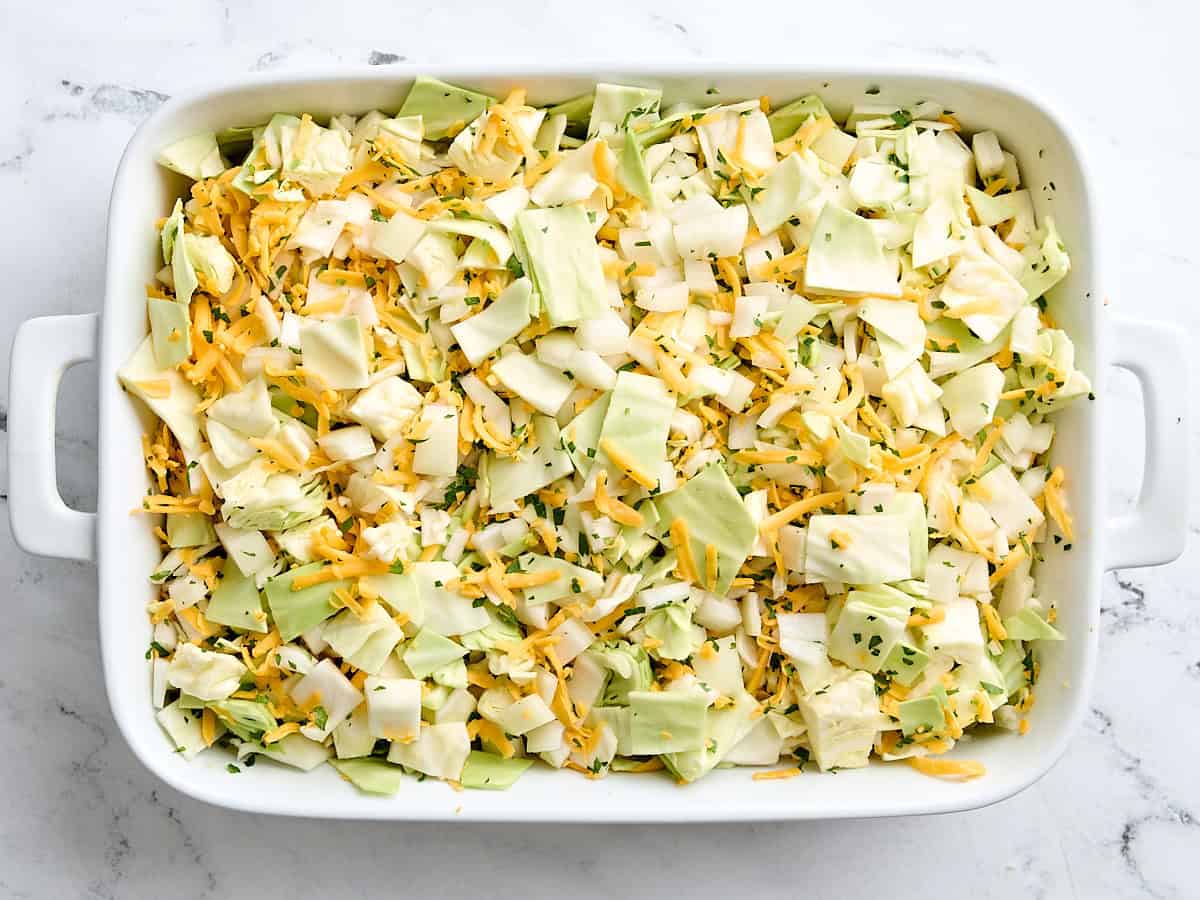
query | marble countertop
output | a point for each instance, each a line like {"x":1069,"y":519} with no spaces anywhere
{"x":81,"y":818}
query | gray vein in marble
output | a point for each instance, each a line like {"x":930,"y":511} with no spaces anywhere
{"x":269,"y":60}
{"x":186,"y":839}
{"x":956,"y":54}
{"x":675,"y":32}
{"x":1164,"y":809}
{"x":1130,"y":611}
{"x":107,"y":99}
{"x":16,"y":162}
{"x":381,"y":58}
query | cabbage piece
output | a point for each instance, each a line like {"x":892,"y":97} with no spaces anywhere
{"x":845,"y":258}
{"x":263,"y":161}
{"x":293,"y":750}
{"x":230,"y":448}
{"x":978,"y":279}
{"x":335,"y":352}
{"x":504,"y":206}
{"x":325,"y":687}
{"x":500,"y":321}
{"x":1027,"y":625}
{"x":204,"y":674}
{"x":511,"y":478}
{"x":958,"y":635}
{"x":263,"y":499}
{"x":804,"y":639}
{"x":440,"y":750}
{"x":571,"y":580}
{"x":970,"y":397}
{"x":189,"y":530}
{"x":435,"y":258}
{"x":630,"y":670}
{"x":183,"y":274}
{"x":637,"y":423}
{"x":525,"y":715}
{"x":878,"y":184}
{"x":320,"y":228}
{"x":905,"y":663}
{"x":721,"y":669}
{"x":969,"y":350}
{"x":910,"y":394}
{"x":616,"y":106}
{"x":667,"y":721}
{"x":792,"y":183}
{"x":951,"y":572}
{"x":991,"y":211}
{"x":571,"y":180}
{"x":170,"y":330}
{"x":741,"y":127}
{"x":899,"y":330}
{"x":396,"y":237}
{"x":295,"y":612}
{"x":210,"y":259}
{"x":236,"y":602}
{"x":1047,"y":262}
{"x":442,"y":106}
{"x":196,"y":156}
{"x":671,"y":626}
{"x":365,"y":643}
{"x":501,"y":162}
{"x":761,"y":746}
{"x":490,"y":236}
{"x":429,"y":651}
{"x":869,"y":627}
{"x":796,"y":314}
{"x":493,"y":635}
{"x":297,"y":542}
{"x":581,"y":434}
{"x":393,"y":707}
{"x":247,"y":411}
{"x":183,"y":728}
{"x":541,"y":386}
{"x":347,"y":444}
{"x":715,"y":514}
{"x":437,"y":452}
{"x":371,"y":776}
{"x":924,"y":714}
{"x":704,"y":230}
{"x":911,"y":506}
{"x":576,"y":110}
{"x":248,"y":719}
{"x":632,"y":171}
{"x":489,"y":772}
{"x":724,"y":729}
{"x":874,"y":549}
{"x":1011,"y":665}
{"x":842,"y":721}
{"x":785,"y":120}
{"x":564,"y":263}
{"x":314,"y":157}
{"x":1008,"y":504}
{"x":385,"y":407}
{"x":447,"y":612}
{"x":401,"y":593}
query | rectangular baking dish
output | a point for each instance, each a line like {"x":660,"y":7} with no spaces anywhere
{"x":1151,"y":533}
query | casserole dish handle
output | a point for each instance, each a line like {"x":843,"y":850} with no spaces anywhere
{"x":1154,"y":531}
{"x":43,"y":349}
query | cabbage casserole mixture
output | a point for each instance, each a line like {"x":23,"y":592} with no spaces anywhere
{"x":609,"y":436}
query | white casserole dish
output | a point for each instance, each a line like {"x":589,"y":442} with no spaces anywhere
{"x":1152,"y":533}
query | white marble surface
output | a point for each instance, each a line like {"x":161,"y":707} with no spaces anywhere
{"x":79,"y":817}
